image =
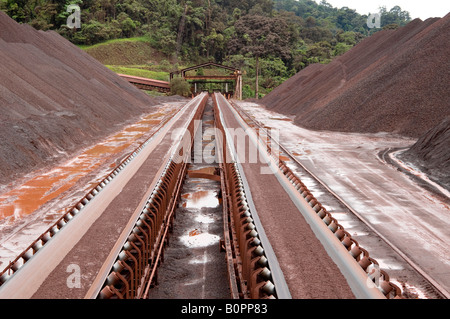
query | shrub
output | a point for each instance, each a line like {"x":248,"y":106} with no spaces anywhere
{"x":179,"y":86}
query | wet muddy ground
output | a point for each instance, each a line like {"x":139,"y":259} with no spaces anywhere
{"x":411,"y":217}
{"x":28,"y":207}
{"x":194,"y":267}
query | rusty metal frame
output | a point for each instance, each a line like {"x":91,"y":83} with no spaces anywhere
{"x":71,"y":212}
{"x":252,"y":265}
{"x":146,"y":83}
{"x":161,"y":206}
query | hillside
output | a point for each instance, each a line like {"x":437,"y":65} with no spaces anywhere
{"x":128,"y":51}
{"x":394,"y":81}
{"x":55,"y":99}
{"x":193,"y":32}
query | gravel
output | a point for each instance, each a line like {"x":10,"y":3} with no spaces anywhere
{"x":394,"y":81}
{"x":55,"y":99}
{"x":431,"y":153}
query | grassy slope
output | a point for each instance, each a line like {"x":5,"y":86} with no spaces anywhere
{"x":132,"y":56}
{"x":140,"y":71}
{"x":135,"y":56}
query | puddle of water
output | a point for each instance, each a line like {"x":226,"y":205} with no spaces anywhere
{"x":204,"y":219}
{"x":34,"y":193}
{"x":199,"y":199}
{"x":200,"y":240}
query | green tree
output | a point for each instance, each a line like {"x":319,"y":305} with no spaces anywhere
{"x":341,"y":48}
{"x":394,"y":16}
{"x":320,"y":52}
{"x":261,"y":36}
{"x":94,"y":32}
{"x":179,"y":86}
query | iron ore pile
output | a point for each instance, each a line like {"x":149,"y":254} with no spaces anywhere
{"x":431,"y":153}
{"x":395,"y":81}
{"x":55,"y":99}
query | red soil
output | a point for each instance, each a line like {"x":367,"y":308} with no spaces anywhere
{"x":55,"y":99}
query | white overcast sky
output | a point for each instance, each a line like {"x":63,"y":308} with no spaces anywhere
{"x":422,"y":9}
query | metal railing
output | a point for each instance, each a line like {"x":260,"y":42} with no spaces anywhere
{"x":67,"y":216}
{"x":377,"y":276}
{"x":251,"y":276}
{"x":134,"y":271}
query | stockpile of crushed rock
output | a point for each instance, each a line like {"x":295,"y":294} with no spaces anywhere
{"x":431,"y":153}
{"x":55,"y":99}
{"x":394,"y":81}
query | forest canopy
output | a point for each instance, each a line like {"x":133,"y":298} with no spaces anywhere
{"x":296,"y":33}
